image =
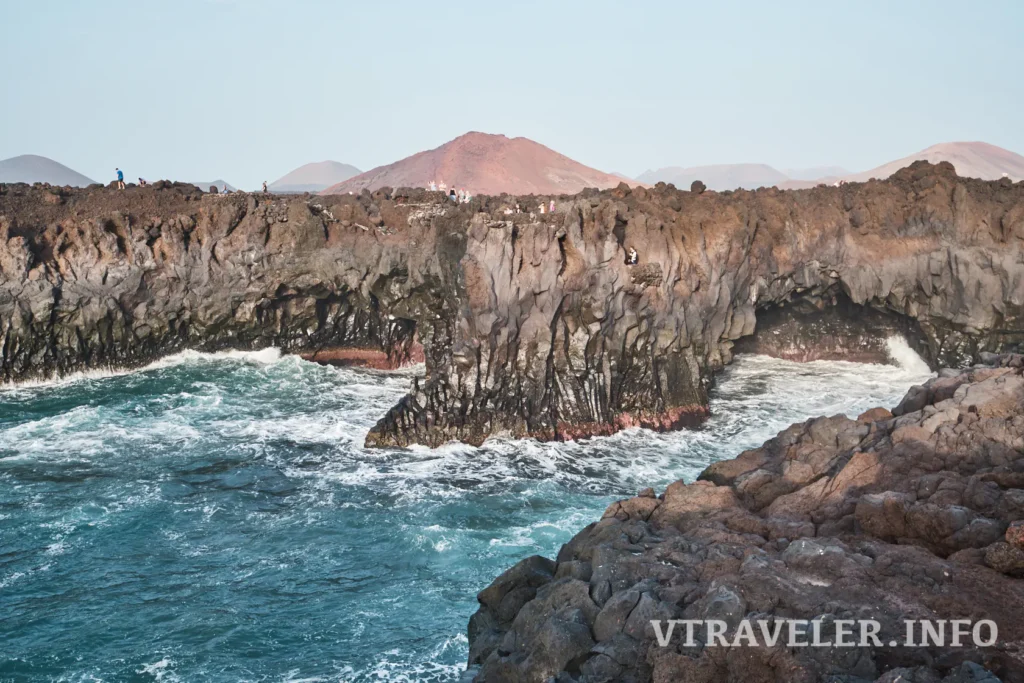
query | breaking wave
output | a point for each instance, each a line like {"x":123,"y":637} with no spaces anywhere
{"x":267,"y":355}
{"x":904,"y":356}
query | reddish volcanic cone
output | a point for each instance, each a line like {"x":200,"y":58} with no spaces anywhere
{"x":484,"y":164}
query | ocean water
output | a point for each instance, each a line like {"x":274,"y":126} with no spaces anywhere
{"x":215,"y":517}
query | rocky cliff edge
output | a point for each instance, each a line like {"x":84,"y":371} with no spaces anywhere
{"x":530,"y":323}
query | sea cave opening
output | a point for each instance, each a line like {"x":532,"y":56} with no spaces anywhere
{"x":831,"y":326}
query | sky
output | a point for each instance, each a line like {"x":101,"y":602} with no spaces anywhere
{"x":247,"y":90}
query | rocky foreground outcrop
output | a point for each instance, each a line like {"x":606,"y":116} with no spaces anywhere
{"x":529,"y":323}
{"x":917,"y":514}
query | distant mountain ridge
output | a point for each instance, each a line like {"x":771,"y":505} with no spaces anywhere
{"x":484,"y":164}
{"x":971,"y":160}
{"x":219,"y":183}
{"x":815,"y":172}
{"x":717,"y":177}
{"x":32,"y":168}
{"x":314,"y":177}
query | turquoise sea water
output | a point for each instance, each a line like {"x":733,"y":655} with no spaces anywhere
{"x":215,"y":518}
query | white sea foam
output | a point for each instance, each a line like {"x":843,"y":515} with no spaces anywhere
{"x":160,"y":670}
{"x":262,"y":356}
{"x":393,"y":668}
{"x":10,"y":578}
{"x":265,"y":356}
{"x":756,"y":398}
{"x":290,"y":677}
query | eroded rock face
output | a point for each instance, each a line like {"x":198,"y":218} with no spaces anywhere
{"x":528,"y":323}
{"x":914,"y":514}
{"x":561,"y":338}
{"x":107,"y":278}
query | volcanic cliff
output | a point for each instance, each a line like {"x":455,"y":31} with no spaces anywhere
{"x":531,"y":322}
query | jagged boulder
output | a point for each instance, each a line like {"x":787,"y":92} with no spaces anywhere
{"x":913,"y":517}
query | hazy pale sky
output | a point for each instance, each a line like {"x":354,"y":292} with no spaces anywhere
{"x":247,"y":90}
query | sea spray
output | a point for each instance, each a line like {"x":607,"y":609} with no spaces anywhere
{"x":904,"y":356}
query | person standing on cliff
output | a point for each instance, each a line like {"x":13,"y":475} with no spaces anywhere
{"x":264,"y":187}
{"x":120,"y":178}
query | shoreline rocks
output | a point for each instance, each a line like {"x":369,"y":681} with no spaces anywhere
{"x":528,"y":324}
{"x":910,"y":515}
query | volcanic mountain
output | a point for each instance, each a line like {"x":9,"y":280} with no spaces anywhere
{"x":484,"y":164}
{"x":30,"y":168}
{"x":314,"y":177}
{"x":815,"y":172}
{"x":970,"y":159}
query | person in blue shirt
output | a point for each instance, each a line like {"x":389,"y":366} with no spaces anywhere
{"x":120,"y":179}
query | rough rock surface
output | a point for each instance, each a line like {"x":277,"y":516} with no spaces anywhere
{"x":118,"y":278}
{"x":913,"y":514}
{"x":529,"y":323}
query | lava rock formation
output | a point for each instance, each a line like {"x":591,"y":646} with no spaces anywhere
{"x":530,"y":323}
{"x":910,"y":515}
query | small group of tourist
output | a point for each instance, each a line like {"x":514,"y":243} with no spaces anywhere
{"x":458,"y":196}
{"x":145,"y":183}
{"x":120,"y":180}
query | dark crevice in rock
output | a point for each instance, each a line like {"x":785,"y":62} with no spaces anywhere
{"x":827,"y":325}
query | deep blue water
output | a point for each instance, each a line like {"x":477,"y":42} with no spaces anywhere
{"x":215,"y":518}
